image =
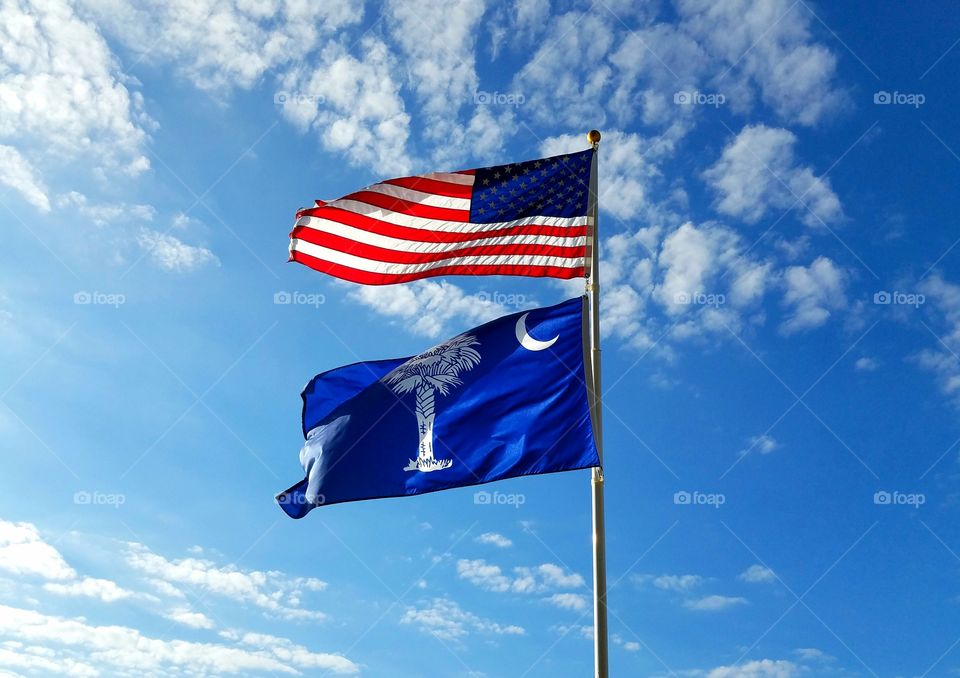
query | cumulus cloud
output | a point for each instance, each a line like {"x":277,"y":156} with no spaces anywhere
{"x":90,"y":587}
{"x":758,"y":668}
{"x":190,"y":618}
{"x":17,"y":173}
{"x":524,"y":579}
{"x":564,"y":80}
{"x":865,"y":364}
{"x":221,"y":45}
{"x":757,"y":574}
{"x":714,"y":603}
{"x":940,"y":359}
{"x":102,"y":214}
{"x":758,"y":172}
{"x":354,"y":104}
{"x":568,"y":601}
{"x":170,"y":253}
{"x":812,"y":292}
{"x":766,"y":47}
{"x":438,"y":49}
{"x":62,"y":92}
{"x":273,"y":592}
{"x":24,"y":552}
{"x":125,"y":649}
{"x":445,"y":619}
{"x":494,"y":539}
{"x":672,"y":582}
{"x":426,"y":307}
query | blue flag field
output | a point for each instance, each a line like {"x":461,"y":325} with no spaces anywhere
{"x":506,"y":399}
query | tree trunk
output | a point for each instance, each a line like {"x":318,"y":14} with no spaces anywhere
{"x":425,"y":414}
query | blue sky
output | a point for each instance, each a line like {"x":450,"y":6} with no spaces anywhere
{"x":781,"y":335}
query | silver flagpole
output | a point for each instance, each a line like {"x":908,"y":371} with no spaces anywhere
{"x":601,"y":664}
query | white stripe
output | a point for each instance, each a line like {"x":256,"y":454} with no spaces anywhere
{"x":451,"y":178}
{"x":403,"y":245}
{"x":420,"y":197}
{"x":387,"y":268}
{"x":426,"y":224}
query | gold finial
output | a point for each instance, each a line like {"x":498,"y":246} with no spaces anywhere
{"x":593,"y":136}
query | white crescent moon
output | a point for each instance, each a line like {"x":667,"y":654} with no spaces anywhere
{"x":529,"y":342}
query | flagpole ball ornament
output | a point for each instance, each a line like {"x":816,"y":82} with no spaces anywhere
{"x":593,"y":136}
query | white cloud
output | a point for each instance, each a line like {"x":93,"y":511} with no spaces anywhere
{"x":714,"y":603}
{"x":675,"y":582}
{"x":564,"y":79}
{"x":554,"y":575}
{"x":266,"y":590}
{"x":568,"y":601}
{"x":941,"y":358}
{"x":766,"y":45}
{"x":219,"y":45}
{"x":62,"y":92}
{"x":631,"y":646}
{"x":525,"y":580}
{"x":104,"y":213}
{"x":354,"y":104}
{"x":17,"y":173}
{"x":812,"y":292}
{"x":757,"y":172}
{"x":865,"y":364}
{"x":190,"y":618}
{"x":764,"y":444}
{"x":486,"y":576}
{"x":125,"y":649}
{"x":34,"y":658}
{"x":438,"y":49}
{"x":812,"y":654}
{"x":23,"y":552}
{"x":426,"y":307}
{"x":760,"y":668}
{"x":756,"y":574}
{"x":445,"y":619}
{"x":170,"y":253}
{"x":494,"y":539}
{"x":90,"y":587}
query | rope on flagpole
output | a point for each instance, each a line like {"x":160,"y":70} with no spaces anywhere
{"x":600,"y":645}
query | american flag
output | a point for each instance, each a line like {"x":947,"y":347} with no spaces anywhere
{"x":527,"y":218}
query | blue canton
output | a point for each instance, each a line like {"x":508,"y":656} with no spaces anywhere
{"x":551,"y":187}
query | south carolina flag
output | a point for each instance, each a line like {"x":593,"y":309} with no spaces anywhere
{"x":502,"y":400}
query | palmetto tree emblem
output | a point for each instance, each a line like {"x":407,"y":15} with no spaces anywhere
{"x":436,"y":370}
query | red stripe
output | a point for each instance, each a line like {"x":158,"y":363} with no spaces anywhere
{"x":426,"y":185}
{"x":414,"y":209}
{"x":341,"y":244}
{"x":368,"y":278}
{"x":372,"y":225}
{"x":471,"y":172}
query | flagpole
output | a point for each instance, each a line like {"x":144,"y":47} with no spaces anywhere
{"x":601,"y":663}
